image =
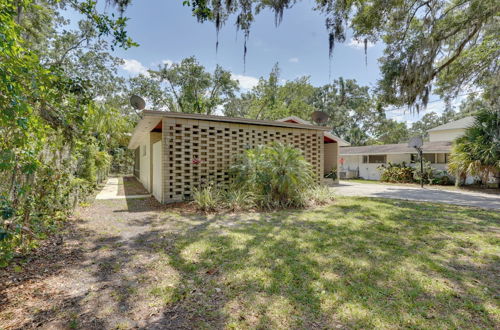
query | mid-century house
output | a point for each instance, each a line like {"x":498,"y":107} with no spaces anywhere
{"x":363,"y":161}
{"x":176,"y":152}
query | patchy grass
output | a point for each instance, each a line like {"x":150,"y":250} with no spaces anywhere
{"x":361,"y":263}
{"x":358,"y":263}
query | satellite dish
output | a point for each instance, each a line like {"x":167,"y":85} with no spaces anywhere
{"x":415,"y":142}
{"x":319,"y":117}
{"x":137,"y":102}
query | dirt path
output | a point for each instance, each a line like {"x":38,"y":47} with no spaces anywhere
{"x":98,"y":274}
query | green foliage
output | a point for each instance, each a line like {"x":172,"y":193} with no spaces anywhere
{"x":449,"y":43}
{"x":396,"y":173}
{"x":477,"y":152}
{"x":276,"y":174}
{"x":236,"y":199}
{"x":332,"y":174}
{"x":402,"y":173}
{"x":187,"y":87}
{"x":56,"y":137}
{"x":207,"y":198}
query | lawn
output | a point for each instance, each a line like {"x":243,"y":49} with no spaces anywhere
{"x":359,"y":263}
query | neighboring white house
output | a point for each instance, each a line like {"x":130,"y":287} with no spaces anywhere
{"x":364,"y":161}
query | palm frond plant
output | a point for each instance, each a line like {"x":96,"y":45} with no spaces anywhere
{"x":276,"y":174}
{"x":477,"y":152}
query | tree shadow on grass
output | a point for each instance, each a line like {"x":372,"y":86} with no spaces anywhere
{"x":361,"y":263}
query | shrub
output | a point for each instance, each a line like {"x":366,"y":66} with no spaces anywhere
{"x":207,"y":198}
{"x":238,"y":199}
{"x":428,"y":174}
{"x":332,"y":174}
{"x":399,"y":173}
{"x":276,"y":174}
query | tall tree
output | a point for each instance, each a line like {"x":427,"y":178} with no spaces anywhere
{"x":190,"y":88}
{"x":450,"y":43}
{"x":351,"y":109}
{"x":272,"y":98}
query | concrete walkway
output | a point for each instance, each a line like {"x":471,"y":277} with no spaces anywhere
{"x":111,"y":191}
{"x":476,"y":199}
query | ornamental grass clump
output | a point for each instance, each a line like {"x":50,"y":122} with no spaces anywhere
{"x":277,"y":175}
{"x":207,"y":198}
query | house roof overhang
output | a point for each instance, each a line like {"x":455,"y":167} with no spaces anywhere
{"x":150,"y":119}
{"x":394,"y":149}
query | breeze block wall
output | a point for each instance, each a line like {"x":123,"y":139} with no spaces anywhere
{"x":196,"y":152}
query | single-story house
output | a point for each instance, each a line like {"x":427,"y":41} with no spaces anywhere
{"x":175,"y":152}
{"x":363,"y":161}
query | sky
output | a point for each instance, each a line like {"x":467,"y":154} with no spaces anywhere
{"x":167,"y":32}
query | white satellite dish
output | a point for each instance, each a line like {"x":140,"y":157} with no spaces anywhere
{"x":137,"y":102}
{"x":416,"y":142}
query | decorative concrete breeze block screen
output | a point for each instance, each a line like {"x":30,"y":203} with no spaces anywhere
{"x":216,"y":145}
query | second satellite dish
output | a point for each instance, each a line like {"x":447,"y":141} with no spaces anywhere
{"x":415,"y":142}
{"x":137,"y":102}
{"x":319,"y":117}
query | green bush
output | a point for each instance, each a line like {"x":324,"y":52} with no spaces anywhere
{"x":237,"y":199}
{"x":332,"y":174}
{"x":398,"y":173}
{"x":207,"y":198}
{"x":276,"y":174}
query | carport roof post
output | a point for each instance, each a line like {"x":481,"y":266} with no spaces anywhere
{"x":149,"y":119}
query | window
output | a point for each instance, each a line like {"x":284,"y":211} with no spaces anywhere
{"x":377,"y":159}
{"x":427,"y":157}
{"x":374,"y":159}
{"x":441,"y":158}
{"x":430,"y":158}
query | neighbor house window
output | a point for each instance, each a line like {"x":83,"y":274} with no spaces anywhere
{"x":375,"y":159}
{"x":430,"y":158}
{"x":441,"y":158}
{"x":427,"y":157}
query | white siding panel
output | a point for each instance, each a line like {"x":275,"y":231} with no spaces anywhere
{"x":446,"y":135}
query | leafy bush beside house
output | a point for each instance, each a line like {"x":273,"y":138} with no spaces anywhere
{"x":401,"y":173}
{"x":477,"y":152}
{"x":276,"y":174}
{"x":396,"y":173}
{"x":267,"y":177}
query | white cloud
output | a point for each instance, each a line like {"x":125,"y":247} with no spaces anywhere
{"x":246,"y":82}
{"x":134,"y":66}
{"x":359,"y":44}
{"x":293,"y":60}
{"x":167,"y":62}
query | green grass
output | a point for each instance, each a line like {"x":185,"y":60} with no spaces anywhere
{"x":360,"y":263}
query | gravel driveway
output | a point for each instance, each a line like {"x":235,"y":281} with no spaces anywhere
{"x":466,"y":198}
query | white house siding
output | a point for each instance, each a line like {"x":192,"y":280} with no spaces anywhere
{"x":145,"y":167}
{"x":354,"y":164}
{"x":398,"y":158}
{"x":446,"y":135}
